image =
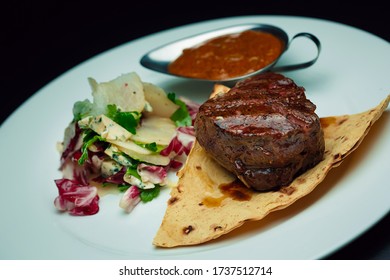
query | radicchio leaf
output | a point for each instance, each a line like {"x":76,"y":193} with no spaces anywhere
{"x":152,"y":173}
{"x":75,"y":198}
{"x":130,"y":199}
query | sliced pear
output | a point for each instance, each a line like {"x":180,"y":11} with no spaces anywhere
{"x":126,"y":92}
{"x":136,"y":152}
{"x":158,"y":100}
{"x":155,"y":129}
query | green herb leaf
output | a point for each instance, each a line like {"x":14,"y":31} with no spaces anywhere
{"x":132,"y":170}
{"x":123,"y":188}
{"x":181,"y":116}
{"x":90,"y":137}
{"x":151,"y":146}
{"x":147,"y":195}
{"x":128,"y":120}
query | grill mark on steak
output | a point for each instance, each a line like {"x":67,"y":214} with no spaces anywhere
{"x":264,"y":130}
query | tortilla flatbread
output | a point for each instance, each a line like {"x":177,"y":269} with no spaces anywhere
{"x":210,"y":202}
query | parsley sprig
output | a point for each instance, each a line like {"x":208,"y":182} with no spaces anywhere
{"x":128,"y":120}
{"x":181,"y":116}
{"x":90,"y":137}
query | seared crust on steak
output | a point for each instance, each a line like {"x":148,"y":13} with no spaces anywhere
{"x":264,"y":130}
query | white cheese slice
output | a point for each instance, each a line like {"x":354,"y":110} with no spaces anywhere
{"x":114,"y":153}
{"x":110,"y":167}
{"x":106,"y":128}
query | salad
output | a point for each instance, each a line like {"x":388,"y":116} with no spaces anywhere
{"x":130,"y":136}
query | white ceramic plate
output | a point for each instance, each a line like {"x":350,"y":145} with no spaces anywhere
{"x":350,"y":76}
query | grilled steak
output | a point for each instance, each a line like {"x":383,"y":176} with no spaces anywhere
{"x":264,"y":130}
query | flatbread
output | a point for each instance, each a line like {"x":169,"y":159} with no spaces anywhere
{"x":210,"y":202}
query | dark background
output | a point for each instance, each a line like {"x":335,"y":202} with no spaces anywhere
{"x":41,"y":40}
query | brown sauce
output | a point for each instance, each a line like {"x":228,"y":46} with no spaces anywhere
{"x":325,"y":122}
{"x":228,"y":56}
{"x":235,"y":190}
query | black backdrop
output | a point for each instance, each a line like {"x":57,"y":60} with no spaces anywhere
{"x":41,"y":40}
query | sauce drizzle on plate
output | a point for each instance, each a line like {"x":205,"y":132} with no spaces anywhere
{"x":235,"y":190}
